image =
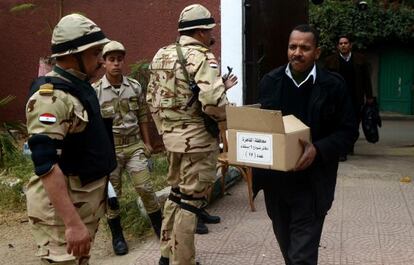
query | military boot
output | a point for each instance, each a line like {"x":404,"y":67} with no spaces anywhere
{"x":156,"y":220}
{"x":207,"y":218}
{"x":166,"y":261}
{"x":201,"y":227}
{"x":118,"y":241}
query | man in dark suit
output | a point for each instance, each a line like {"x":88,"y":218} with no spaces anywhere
{"x":298,"y":201}
{"x":354,"y":68}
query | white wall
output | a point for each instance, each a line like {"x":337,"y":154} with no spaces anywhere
{"x":232,"y":45}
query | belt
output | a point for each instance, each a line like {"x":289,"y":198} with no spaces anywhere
{"x":125,"y":139}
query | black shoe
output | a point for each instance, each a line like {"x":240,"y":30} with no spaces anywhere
{"x":201,"y":227}
{"x":207,"y":218}
{"x":342,"y":158}
{"x":166,"y":261}
{"x":118,"y":242}
{"x":156,"y":219}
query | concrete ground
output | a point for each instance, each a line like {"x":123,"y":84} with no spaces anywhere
{"x":371,"y":221}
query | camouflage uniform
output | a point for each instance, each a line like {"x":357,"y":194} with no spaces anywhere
{"x":126,"y":106}
{"x":47,"y":228}
{"x":192,"y":151}
{"x":54,"y":115}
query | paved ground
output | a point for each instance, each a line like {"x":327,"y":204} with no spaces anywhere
{"x":371,"y":221}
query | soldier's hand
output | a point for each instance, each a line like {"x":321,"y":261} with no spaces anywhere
{"x":230,"y":81}
{"x":308,"y":155}
{"x":78,"y":240}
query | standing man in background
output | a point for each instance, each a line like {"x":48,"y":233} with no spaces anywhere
{"x":122,"y":100}
{"x":186,"y":88}
{"x":71,"y":147}
{"x":354,"y":68}
{"x":298,"y":201}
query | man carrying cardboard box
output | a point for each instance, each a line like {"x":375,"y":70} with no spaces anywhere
{"x":297,"y":201}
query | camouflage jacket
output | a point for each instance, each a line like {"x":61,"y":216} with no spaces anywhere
{"x":125,"y":105}
{"x":168,"y":92}
{"x":55,"y":113}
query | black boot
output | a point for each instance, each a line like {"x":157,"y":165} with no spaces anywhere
{"x":166,"y":261}
{"x":156,"y":220}
{"x":207,"y":218}
{"x":201,"y":227}
{"x":118,"y":241}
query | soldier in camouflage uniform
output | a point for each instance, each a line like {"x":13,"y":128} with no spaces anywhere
{"x":191,"y":150}
{"x":71,"y":149}
{"x":122,"y":100}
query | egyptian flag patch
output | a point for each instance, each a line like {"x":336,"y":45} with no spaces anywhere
{"x":47,"y":118}
{"x":213,"y":65}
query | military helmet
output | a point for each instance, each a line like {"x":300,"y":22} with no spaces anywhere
{"x":113,"y":46}
{"x":75,"y":33}
{"x":195,"y":17}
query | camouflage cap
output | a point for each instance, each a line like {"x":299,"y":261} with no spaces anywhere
{"x":195,"y":17}
{"x":75,"y":33}
{"x":113,"y":46}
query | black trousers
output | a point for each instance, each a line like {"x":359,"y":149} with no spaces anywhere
{"x":291,"y":207}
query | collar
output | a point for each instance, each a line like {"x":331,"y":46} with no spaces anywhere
{"x":346,"y":58}
{"x":106,"y":84}
{"x":187,"y":40}
{"x":311,"y":73}
{"x":74,"y":72}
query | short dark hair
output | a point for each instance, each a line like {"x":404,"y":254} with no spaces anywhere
{"x":309,"y":29}
{"x":346,"y":36}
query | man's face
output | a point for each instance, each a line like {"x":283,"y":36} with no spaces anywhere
{"x":92,"y":60}
{"x":302,"y":51}
{"x":207,"y":37}
{"x":344,"y":46}
{"x":113,"y":63}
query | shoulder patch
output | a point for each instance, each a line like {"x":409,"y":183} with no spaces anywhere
{"x":46,"y":89}
{"x":47,"y":118}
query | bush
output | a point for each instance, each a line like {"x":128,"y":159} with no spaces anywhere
{"x":375,"y":25}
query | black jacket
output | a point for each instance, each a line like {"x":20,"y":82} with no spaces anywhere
{"x":333,"y":130}
{"x":363,"y":86}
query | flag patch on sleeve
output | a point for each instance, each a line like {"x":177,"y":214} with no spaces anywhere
{"x":47,"y":118}
{"x":213,"y":65}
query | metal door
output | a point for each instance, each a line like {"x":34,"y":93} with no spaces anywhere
{"x":396,"y":79}
{"x":266,"y":33}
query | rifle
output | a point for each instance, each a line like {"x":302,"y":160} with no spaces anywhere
{"x":210,"y":124}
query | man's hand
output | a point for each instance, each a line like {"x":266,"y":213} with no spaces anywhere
{"x":78,"y":240}
{"x":308,"y":156}
{"x":230,"y":81}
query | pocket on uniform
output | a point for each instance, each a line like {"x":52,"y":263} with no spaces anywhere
{"x":108,"y":112}
{"x":87,"y":199}
{"x":133,"y":103}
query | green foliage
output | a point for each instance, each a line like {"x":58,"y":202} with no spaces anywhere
{"x":372,"y":26}
{"x":134,"y":222}
{"x":16,"y":171}
{"x":140,"y":72}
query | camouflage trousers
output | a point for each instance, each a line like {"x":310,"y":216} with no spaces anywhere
{"x":193,"y":174}
{"x":48,"y":228}
{"x":133,"y":159}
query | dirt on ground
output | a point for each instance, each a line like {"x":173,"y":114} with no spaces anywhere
{"x":17,"y":246}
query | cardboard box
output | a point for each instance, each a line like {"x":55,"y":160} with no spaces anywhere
{"x":263,"y":138}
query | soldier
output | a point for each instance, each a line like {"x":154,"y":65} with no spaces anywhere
{"x":185,"y":89}
{"x":71,"y":147}
{"x":121,"y":99}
